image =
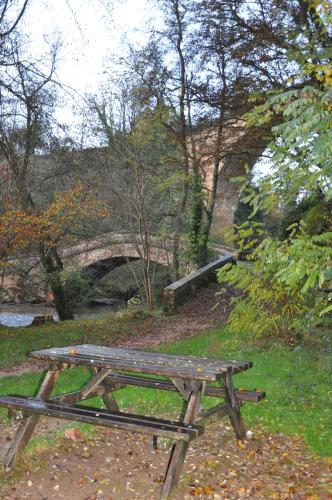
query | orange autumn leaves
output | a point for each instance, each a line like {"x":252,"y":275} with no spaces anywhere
{"x":68,"y":213}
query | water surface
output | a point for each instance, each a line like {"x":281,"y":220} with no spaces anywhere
{"x":23,"y":314}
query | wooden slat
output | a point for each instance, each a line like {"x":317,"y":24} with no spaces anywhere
{"x":132,"y":362}
{"x":145,"y":361}
{"x":199,"y":360}
{"x":208,"y":416}
{"x":118,"y":364}
{"x":165,"y":385}
{"x":178,"y":431}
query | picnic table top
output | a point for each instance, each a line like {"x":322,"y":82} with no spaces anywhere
{"x":154,"y":363}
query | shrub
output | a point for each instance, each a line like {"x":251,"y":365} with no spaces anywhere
{"x":286,"y":289}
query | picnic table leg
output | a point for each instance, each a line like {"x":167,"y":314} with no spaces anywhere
{"x":108,"y":398}
{"x":109,"y":401}
{"x":234,"y":414}
{"x":28,"y":425}
{"x":184,"y":388}
{"x":180,"y":449}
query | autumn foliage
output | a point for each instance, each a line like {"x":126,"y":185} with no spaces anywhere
{"x":68,"y":213}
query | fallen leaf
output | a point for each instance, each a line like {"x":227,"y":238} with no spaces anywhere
{"x":207,"y":490}
{"x":74,"y":434}
{"x":197,"y":491}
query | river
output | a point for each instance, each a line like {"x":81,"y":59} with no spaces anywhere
{"x":23,"y":314}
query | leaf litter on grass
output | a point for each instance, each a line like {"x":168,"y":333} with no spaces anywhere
{"x":113,"y":464}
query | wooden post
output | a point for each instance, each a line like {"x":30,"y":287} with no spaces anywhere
{"x":99,"y":377}
{"x":109,"y":401}
{"x":180,"y":449}
{"x":28,"y":425}
{"x":234,"y":413}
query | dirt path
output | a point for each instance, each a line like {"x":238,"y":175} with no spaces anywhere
{"x":115,"y":465}
{"x":195,"y":317}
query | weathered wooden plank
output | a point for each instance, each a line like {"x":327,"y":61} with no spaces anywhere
{"x":188,"y":363}
{"x":179,"y":450}
{"x":97,"y":352}
{"x":160,"y":357}
{"x":165,"y":357}
{"x":178,"y":431}
{"x":216,"y":412}
{"x":241,"y":394}
{"x":218,"y":392}
{"x":153,"y":369}
{"x":144,"y":360}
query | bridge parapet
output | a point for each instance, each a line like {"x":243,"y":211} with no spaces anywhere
{"x":176,"y":293}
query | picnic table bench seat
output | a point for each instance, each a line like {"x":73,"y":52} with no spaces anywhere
{"x":175,"y":430}
{"x":154,"y":383}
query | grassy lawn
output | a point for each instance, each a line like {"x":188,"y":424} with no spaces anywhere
{"x":298,"y":384}
{"x":16,"y":343}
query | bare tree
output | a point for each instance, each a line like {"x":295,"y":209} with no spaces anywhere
{"x":27,"y":97}
{"x":7,"y":27}
{"x":141,"y":178}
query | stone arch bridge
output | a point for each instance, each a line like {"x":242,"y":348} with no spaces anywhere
{"x":108,"y":251}
{"x":97,"y":256}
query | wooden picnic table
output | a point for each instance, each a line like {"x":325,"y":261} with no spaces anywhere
{"x":114,"y":369}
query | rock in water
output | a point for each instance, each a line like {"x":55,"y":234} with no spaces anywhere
{"x":42,"y":320}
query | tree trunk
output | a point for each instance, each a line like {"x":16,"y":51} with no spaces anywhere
{"x":50,"y":260}
{"x":52,"y":266}
{"x":197,"y":221}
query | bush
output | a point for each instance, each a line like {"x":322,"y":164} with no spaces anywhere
{"x":78,"y":286}
{"x":286,"y":286}
{"x":314,"y":211}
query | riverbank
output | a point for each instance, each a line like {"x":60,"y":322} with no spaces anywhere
{"x":22,"y":315}
{"x":297,"y":382}
{"x":128,"y":327}
{"x":291,"y":427}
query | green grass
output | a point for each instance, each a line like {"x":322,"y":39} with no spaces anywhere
{"x":16,"y":343}
{"x":298,"y":384}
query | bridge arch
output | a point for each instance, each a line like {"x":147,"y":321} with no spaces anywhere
{"x":96,"y":270}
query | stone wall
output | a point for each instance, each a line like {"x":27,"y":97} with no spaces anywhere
{"x":176,"y":293}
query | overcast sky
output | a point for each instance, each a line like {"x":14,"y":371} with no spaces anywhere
{"x":90,"y":32}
